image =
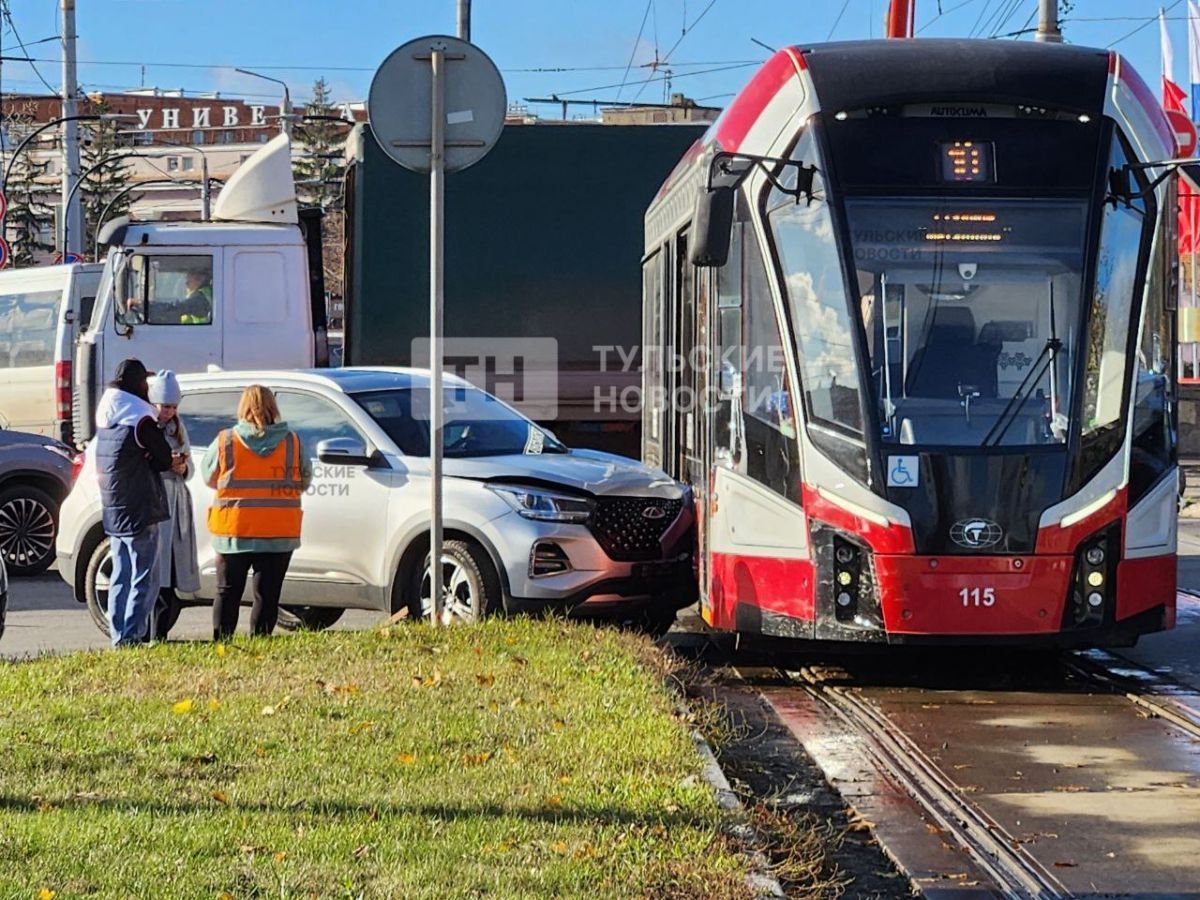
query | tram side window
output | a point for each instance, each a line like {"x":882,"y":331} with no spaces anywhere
{"x":727,"y":443}
{"x":812,"y":272}
{"x":1153,"y":429}
{"x":1111,"y":310}
{"x":768,"y":413}
{"x":652,"y":355}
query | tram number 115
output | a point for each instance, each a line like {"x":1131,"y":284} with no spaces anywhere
{"x":978,"y":596}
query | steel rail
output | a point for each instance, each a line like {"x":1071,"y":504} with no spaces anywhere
{"x":1164,"y":707}
{"x":1015,"y":873}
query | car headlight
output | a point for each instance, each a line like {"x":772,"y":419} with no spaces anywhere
{"x":543,"y":505}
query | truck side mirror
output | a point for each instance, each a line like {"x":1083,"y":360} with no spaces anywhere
{"x":712,"y":224}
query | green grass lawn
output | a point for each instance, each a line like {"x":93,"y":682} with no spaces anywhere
{"x":512,"y":759}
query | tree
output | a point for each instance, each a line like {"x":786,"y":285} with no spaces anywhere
{"x":319,"y":170}
{"x":104,"y":147}
{"x":27,"y":214}
{"x":320,"y":166}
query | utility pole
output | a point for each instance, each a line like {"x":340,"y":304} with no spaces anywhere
{"x":464,"y":19}
{"x":1048,"y":31}
{"x":71,"y":218}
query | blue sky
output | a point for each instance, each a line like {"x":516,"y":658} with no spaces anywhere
{"x":590,"y":41}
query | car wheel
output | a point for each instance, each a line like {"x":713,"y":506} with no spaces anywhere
{"x":3,"y":610}
{"x":308,"y":618}
{"x":96,"y":580}
{"x":28,"y":525}
{"x":471,"y":583}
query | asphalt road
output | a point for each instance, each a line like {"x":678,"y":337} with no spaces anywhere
{"x":43,"y":617}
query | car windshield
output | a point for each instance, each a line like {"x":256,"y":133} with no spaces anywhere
{"x":971,"y":312}
{"x":476,"y":423}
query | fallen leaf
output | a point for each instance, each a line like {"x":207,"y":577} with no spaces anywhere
{"x":268,"y":710}
{"x":478,"y":650}
{"x":559,"y":846}
{"x":213,"y":704}
{"x":486,"y":680}
{"x":1070,"y":788}
{"x":280,"y":856}
{"x":46,"y":894}
{"x":476,"y":759}
{"x":520,"y":661}
{"x":363,"y":726}
{"x":362,"y":850}
{"x":406,"y":759}
{"x":559,"y":724}
{"x":554,"y":800}
{"x":183,"y":706}
{"x":260,"y":751}
{"x":221,"y":797}
{"x":220,"y":649}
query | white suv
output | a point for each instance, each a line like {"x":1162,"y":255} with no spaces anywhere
{"x":529,"y":524}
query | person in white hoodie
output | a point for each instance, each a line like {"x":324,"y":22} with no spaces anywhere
{"x":178,"y":569}
{"x":130,"y":452}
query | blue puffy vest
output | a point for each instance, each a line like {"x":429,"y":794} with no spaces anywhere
{"x":131,"y":492}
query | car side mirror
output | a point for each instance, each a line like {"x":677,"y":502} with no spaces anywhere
{"x":712,"y":226}
{"x":344,"y":451}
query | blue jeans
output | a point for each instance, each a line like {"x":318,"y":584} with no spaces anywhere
{"x":133,"y":589}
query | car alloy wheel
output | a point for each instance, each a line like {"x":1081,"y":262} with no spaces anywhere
{"x":461,"y":603}
{"x":27,"y":530}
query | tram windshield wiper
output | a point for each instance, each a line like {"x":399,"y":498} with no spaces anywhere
{"x":1016,"y":403}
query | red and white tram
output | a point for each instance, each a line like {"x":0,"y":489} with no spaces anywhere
{"x":909,"y":334}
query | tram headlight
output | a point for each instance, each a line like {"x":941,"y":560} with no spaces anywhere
{"x":844,"y":554}
{"x":1095,"y":579}
{"x":844,"y":578}
{"x":1095,"y":599}
{"x":1094,"y":555}
{"x":844,"y":599}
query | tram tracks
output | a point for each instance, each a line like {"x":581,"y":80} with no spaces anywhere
{"x":1013,"y":871}
{"x":995,"y":859}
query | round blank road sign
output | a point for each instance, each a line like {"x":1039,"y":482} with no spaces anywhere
{"x":399,"y":106}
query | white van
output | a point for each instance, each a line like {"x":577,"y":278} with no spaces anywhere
{"x":41,"y":309}
{"x":232,"y":293}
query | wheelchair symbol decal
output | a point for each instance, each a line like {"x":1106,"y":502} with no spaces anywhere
{"x":903,"y":471}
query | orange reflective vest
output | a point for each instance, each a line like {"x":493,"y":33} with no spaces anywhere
{"x":257,"y":496}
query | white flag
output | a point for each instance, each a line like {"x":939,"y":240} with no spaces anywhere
{"x":1168,"y":55}
{"x":1194,"y":41}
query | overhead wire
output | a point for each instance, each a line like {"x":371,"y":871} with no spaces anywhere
{"x":13,"y":28}
{"x":1150,"y":21}
{"x":633,"y":51}
{"x":667,"y":56}
{"x":838,"y":20}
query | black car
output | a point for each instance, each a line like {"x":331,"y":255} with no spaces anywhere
{"x":35,"y":476}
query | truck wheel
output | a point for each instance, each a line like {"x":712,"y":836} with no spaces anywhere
{"x":308,"y":618}
{"x":472,"y":585}
{"x":95,"y":584}
{"x":28,"y":526}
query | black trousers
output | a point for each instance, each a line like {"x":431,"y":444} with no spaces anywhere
{"x":232,"y":569}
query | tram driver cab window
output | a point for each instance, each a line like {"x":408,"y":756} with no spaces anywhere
{"x":755,"y":423}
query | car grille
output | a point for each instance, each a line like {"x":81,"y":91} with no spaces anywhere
{"x":626,"y":532}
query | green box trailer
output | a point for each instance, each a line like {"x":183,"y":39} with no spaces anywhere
{"x":543,"y":240}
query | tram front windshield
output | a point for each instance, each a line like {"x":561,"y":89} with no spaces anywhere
{"x":971,"y":310}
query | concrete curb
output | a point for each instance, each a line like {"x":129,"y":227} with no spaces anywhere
{"x":762,"y":883}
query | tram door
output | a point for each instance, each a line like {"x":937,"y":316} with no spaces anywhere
{"x":682,"y":364}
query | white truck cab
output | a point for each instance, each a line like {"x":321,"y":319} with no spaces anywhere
{"x":231,"y":293}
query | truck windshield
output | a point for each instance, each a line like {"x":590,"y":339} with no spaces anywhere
{"x":476,"y":423}
{"x":971,"y":310}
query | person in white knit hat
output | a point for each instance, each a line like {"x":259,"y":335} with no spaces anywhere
{"x":177,"y":564}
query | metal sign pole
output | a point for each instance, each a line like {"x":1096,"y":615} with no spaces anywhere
{"x":437,"y":175}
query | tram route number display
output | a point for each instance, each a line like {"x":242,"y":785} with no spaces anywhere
{"x":967,"y":162}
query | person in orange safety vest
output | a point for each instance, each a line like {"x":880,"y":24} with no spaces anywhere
{"x":259,"y":469}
